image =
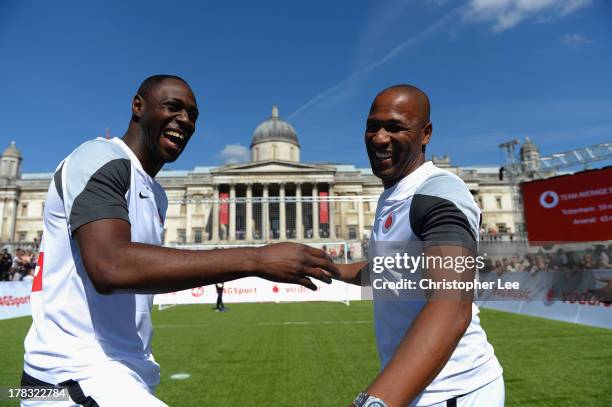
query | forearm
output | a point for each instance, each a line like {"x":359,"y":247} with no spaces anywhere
{"x":354,"y":273}
{"x":116,"y":264}
{"x":423,"y":352}
{"x":147,"y":268}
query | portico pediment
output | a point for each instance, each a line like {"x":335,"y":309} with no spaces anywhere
{"x":272,"y":167}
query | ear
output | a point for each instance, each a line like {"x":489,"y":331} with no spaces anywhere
{"x":137,"y":106}
{"x":427,"y":133}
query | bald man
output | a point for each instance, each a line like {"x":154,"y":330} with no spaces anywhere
{"x":432,"y":349}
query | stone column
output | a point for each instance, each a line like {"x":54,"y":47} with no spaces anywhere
{"x":299,"y":226}
{"x":360,"y":217}
{"x":12,"y":220}
{"x":1,"y":218}
{"x":342,"y":218}
{"x":232,"y":213}
{"x":249,"y":212}
{"x":282,"y":214}
{"x":265,"y":216}
{"x":215,"y":215}
{"x":188,"y":216}
{"x":315,"y":211}
{"x":330,"y":210}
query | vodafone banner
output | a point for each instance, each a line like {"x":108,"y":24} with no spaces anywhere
{"x":15,"y":299}
{"x":543,"y":295}
{"x":570,"y":208}
{"x":253,"y":289}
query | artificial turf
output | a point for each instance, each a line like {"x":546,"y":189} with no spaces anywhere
{"x":304,"y":354}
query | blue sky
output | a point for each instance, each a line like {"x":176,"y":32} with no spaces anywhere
{"x":495,"y":70}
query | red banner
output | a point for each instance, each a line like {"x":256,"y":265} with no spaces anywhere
{"x":569,"y":208}
{"x":323,"y":208}
{"x":224,"y":209}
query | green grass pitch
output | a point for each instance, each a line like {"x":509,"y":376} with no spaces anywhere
{"x":323,"y":354}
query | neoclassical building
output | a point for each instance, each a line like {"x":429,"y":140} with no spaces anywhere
{"x":274,"y":197}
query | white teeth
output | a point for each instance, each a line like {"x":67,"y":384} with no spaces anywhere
{"x":383,"y":156}
{"x":173,"y":133}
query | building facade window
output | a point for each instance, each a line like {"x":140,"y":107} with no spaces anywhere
{"x":197,"y":235}
{"x":24,"y":210}
{"x":501,"y":228}
{"x":21,"y":236}
{"x":352,"y":232}
{"x":183,"y":210}
{"x":498,"y":202}
{"x":181,"y":236}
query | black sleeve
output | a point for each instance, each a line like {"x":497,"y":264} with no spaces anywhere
{"x":103,"y":196}
{"x":438,"y":221}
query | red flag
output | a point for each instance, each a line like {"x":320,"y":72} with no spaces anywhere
{"x":323,"y":208}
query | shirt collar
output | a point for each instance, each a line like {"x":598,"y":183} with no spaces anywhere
{"x":406,"y":186}
{"x":135,"y":161}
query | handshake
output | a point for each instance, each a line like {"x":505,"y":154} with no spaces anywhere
{"x":294,"y":263}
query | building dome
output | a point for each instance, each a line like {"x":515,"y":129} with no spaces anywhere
{"x":274,"y":129}
{"x":11,"y":151}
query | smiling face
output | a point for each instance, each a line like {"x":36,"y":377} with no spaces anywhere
{"x":397,"y":130}
{"x":167,"y":113}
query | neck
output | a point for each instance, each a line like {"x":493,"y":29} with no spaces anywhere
{"x":134,"y":139}
{"x":420,"y":160}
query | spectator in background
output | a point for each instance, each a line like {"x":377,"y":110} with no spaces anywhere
{"x":220,"y":306}
{"x":29,"y":277}
{"x":6,"y":262}
{"x":499,"y":268}
{"x":341,"y":253}
{"x":603,"y":260}
{"x":587,"y":261}
{"x":19,"y":265}
{"x":516,"y":264}
{"x":531,"y":267}
{"x":507,"y":266}
{"x":541,"y":263}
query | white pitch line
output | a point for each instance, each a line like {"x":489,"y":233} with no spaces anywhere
{"x":315,"y":322}
{"x":368,"y":321}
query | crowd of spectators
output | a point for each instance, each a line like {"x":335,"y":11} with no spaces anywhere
{"x":17,"y":267}
{"x":597,"y":257}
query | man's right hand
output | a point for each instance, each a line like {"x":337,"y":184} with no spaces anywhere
{"x":295,"y":263}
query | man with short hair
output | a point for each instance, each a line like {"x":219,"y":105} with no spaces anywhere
{"x":432,"y":349}
{"x":101,"y":262}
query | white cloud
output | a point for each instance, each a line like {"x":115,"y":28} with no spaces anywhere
{"x":507,"y":13}
{"x":235,"y":154}
{"x":574,"y":40}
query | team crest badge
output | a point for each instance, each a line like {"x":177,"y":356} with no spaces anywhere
{"x":388,"y":222}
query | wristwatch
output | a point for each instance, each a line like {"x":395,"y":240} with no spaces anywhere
{"x":366,"y":400}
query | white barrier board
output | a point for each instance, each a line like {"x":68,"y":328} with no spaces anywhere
{"x":253,"y":289}
{"x":565,"y":300}
{"x":15,"y":299}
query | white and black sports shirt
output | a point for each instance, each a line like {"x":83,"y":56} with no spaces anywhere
{"x":77,"y":331}
{"x":431,"y":206}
